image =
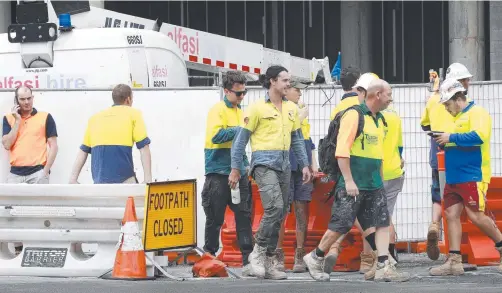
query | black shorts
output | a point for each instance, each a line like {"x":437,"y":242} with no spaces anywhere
{"x":370,"y":209}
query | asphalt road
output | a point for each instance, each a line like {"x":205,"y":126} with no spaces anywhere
{"x":484,"y":279}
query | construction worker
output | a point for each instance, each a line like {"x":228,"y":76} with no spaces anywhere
{"x":436,"y":118}
{"x":273,"y":126}
{"x":299,"y":194}
{"x":393,"y":163}
{"x":360,"y":192}
{"x":467,"y":161}
{"x":368,"y":255}
{"x":109,"y":138}
{"x":27,"y":133}
{"x":223,"y":122}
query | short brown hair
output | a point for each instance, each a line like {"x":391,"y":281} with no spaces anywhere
{"x":233,"y":77}
{"x":120,"y":93}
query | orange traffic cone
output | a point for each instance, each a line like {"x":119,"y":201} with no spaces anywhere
{"x":130,"y":261}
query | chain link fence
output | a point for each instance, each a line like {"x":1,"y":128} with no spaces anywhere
{"x":413,"y":209}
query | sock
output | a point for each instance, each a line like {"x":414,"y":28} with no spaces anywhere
{"x":454,"y":251}
{"x":392,"y":247}
{"x":371,"y":240}
{"x":319,"y":252}
{"x":498,"y":244}
{"x":383,"y":258}
{"x":269,"y":253}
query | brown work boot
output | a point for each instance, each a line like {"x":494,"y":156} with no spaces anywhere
{"x":271,"y":271}
{"x":452,"y":266}
{"x":432,"y":241}
{"x":368,"y":261}
{"x":299,"y":266}
{"x":499,"y":249}
{"x":387,"y":272}
{"x":278,"y":260}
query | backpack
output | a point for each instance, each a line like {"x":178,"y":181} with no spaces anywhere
{"x":327,"y":146}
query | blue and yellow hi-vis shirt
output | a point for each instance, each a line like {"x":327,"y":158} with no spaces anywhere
{"x":223,"y":123}
{"x":109,"y":138}
{"x":467,"y":155}
{"x":272,"y":134}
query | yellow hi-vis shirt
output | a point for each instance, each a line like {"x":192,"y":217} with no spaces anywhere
{"x":392,"y":145}
{"x":435,"y":115}
{"x":272,"y":133}
{"x":348,"y":100}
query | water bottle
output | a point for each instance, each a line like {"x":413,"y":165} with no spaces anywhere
{"x":236,"y":194}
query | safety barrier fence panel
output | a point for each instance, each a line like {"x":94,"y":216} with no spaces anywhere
{"x":55,"y":222}
{"x":413,"y":208}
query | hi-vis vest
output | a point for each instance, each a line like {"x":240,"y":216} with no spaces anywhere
{"x":30,"y":147}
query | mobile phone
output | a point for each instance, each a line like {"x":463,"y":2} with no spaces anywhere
{"x":434,"y":133}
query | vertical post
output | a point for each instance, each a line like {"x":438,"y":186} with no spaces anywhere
{"x":5,"y":19}
{"x":495,"y":40}
{"x":442,"y":183}
{"x":275,"y":25}
{"x":356,"y":34}
{"x":467,"y":36}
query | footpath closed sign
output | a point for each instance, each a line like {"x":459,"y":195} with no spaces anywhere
{"x":170,"y":215}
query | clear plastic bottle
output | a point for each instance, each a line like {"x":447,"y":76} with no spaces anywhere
{"x":236,"y":194}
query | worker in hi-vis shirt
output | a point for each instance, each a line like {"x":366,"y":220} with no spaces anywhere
{"x":368,"y":255}
{"x":300,"y":194}
{"x":273,"y":127}
{"x":468,"y":172}
{"x":360,"y":190}
{"x":393,"y":163}
{"x":436,"y":118}
{"x":109,"y":139}
{"x":223,"y":122}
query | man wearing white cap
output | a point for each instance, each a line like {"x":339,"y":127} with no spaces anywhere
{"x":435,"y":118}
{"x":467,"y":161}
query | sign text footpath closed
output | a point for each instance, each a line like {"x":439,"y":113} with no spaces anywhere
{"x":170,"y":215}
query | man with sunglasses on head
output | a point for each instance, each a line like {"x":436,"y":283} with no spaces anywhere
{"x":223,"y":124}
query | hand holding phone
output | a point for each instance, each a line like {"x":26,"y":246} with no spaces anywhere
{"x":15,"y":112}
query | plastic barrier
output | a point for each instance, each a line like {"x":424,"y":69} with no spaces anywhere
{"x":320,"y":213}
{"x":54,"y":221}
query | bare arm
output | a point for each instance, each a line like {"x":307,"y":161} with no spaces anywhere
{"x":9,"y":139}
{"x":344,"y":164}
{"x":146,"y":161}
{"x":53,"y":151}
{"x":77,"y":166}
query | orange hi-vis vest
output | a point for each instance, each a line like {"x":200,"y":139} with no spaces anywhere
{"x":30,"y":147}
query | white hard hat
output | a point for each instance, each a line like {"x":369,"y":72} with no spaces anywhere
{"x":449,"y":88}
{"x":457,"y":71}
{"x":365,"y":80}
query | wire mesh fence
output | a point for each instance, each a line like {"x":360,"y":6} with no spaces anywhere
{"x":413,"y":211}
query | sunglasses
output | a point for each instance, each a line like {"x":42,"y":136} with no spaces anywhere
{"x":241,"y":93}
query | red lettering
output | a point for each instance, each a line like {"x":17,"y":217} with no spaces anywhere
{"x":12,"y":82}
{"x":186,"y":43}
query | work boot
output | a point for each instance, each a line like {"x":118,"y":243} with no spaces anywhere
{"x":257,"y":261}
{"x":299,"y":266}
{"x":432,"y":241}
{"x":367,"y":261}
{"x":247,"y":271}
{"x":452,"y":266}
{"x":499,"y":249}
{"x":315,"y":266}
{"x":392,"y":260}
{"x":278,"y":260}
{"x":330,"y":260}
{"x":387,"y":272}
{"x":271,"y":271}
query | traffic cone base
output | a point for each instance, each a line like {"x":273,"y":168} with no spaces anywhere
{"x":130,"y":260}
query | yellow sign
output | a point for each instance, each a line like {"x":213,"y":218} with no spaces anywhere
{"x":170,"y":215}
